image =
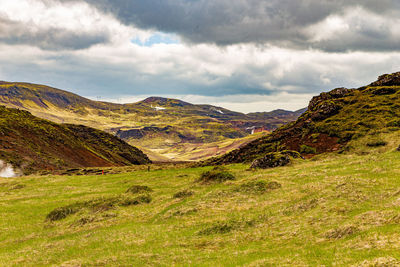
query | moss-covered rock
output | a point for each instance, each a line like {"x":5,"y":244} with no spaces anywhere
{"x":271,"y":160}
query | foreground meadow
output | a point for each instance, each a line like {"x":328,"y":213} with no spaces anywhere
{"x":337,"y":210}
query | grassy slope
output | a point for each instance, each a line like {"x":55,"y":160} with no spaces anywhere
{"x":330,"y":125}
{"x":192,"y":151}
{"x":332,"y":210}
{"x":32,"y":144}
{"x":200,"y":124}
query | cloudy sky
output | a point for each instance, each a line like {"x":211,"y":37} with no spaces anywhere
{"x":246,"y":55}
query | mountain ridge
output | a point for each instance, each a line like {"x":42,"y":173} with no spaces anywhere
{"x":163,"y":123}
{"x":332,"y":122}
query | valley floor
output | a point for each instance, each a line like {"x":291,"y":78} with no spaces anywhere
{"x":331,"y":210}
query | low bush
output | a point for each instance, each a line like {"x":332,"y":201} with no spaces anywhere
{"x":183,"y":194}
{"x":341,"y":232}
{"x":96,"y":205}
{"x":218,"y":174}
{"x":377,"y":143}
{"x":62,"y":213}
{"x":137,"y":189}
{"x":258,"y":187}
{"x":304,"y":149}
{"x":221,"y":227}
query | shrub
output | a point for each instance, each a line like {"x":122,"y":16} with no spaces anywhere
{"x":183,"y":194}
{"x":221,"y":227}
{"x":96,"y":205}
{"x":341,"y":232}
{"x":258,"y":187}
{"x":61,"y":213}
{"x":304,"y":149}
{"x":377,"y":143}
{"x":393,"y":123}
{"x":271,"y":160}
{"x":217,"y":174}
{"x":137,"y":189}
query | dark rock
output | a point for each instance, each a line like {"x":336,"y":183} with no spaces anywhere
{"x":271,"y":160}
{"x":325,"y":110}
{"x":388,"y":80}
{"x":384,"y":91}
{"x":276,"y":159}
{"x":293,"y":154}
{"x":336,"y":93}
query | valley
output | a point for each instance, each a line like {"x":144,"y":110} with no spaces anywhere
{"x":254,"y":133}
{"x":329,"y":178}
{"x":168,"y":129}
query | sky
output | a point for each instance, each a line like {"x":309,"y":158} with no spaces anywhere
{"x":244,"y":55}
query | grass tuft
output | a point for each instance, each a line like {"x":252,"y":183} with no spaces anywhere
{"x":183,"y":194}
{"x":138,"y":189}
{"x":258,"y":187}
{"x":96,"y":206}
{"x":218,"y":174}
{"x":341,"y":232}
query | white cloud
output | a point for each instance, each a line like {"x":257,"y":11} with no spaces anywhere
{"x":356,"y":29}
{"x":267,"y":76}
{"x":52,"y":25}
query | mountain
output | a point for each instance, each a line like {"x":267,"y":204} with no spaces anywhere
{"x":333,"y":122}
{"x":167,"y":129}
{"x":31,"y":144}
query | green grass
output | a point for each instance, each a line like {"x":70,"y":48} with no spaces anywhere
{"x":334,"y":210}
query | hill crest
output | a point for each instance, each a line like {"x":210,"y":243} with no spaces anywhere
{"x":332,"y":120}
{"x":31,"y":144}
{"x":166,"y":128}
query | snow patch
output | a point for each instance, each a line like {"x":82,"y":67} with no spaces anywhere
{"x":157,"y":108}
{"x":217,"y":110}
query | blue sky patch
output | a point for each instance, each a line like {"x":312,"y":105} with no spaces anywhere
{"x":158,"y":38}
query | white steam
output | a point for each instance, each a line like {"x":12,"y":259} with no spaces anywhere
{"x":7,"y":170}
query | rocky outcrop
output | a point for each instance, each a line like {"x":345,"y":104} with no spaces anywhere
{"x":275,"y":159}
{"x":334,"y":94}
{"x":331,"y":121}
{"x":388,"y":80}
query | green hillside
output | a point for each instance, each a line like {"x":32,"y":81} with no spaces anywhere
{"x":337,"y":210}
{"x":334,"y":121}
{"x":31,"y":144}
{"x":331,"y":209}
{"x":157,"y":125}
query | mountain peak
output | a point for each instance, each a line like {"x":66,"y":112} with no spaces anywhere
{"x":166,"y":102}
{"x":388,"y":80}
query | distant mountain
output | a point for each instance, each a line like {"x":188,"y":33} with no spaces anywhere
{"x":31,"y":144}
{"x":157,"y":125}
{"x":332,"y":120}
